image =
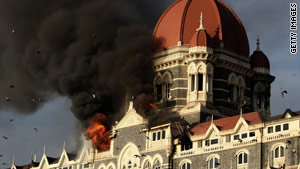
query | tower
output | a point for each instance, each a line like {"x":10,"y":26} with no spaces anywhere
{"x":203,"y":66}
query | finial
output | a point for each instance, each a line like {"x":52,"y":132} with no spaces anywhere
{"x":44,"y":150}
{"x":212,"y":118}
{"x":201,"y":23}
{"x":64,"y":147}
{"x":257,"y":43}
{"x":13,"y":161}
{"x":241,"y":111}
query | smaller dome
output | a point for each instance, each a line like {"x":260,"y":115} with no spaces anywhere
{"x":201,"y":38}
{"x":259,"y":59}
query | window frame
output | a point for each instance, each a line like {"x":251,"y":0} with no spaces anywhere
{"x":281,"y":152}
{"x":244,"y":158}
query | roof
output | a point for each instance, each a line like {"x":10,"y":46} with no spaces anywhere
{"x":281,"y":116}
{"x":201,"y":38}
{"x":259,"y":60}
{"x":226,"y":123}
{"x":180,"y":21}
{"x":52,"y":160}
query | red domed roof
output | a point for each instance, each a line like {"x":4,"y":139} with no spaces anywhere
{"x":180,"y":21}
{"x":259,"y":60}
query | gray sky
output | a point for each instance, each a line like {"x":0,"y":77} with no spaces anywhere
{"x":55,"y":123}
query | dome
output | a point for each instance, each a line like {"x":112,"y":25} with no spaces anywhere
{"x":179,"y":22}
{"x":259,"y":59}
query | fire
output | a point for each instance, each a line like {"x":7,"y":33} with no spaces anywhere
{"x":98,"y":133}
{"x":153,"y":106}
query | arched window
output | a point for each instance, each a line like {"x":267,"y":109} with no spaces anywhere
{"x":185,"y":165}
{"x":158,"y":88}
{"x":167,"y":85}
{"x":259,"y":97}
{"x":213,"y":163}
{"x":157,"y":164}
{"x":242,"y":158}
{"x":279,"y":152}
{"x":124,"y":167}
{"x":147,"y":165}
{"x":232,"y":84}
{"x":129,"y":164}
{"x":241,"y":86}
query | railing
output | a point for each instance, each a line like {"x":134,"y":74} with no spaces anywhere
{"x":215,"y":148}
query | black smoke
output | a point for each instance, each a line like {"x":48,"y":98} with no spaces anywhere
{"x":92,"y":51}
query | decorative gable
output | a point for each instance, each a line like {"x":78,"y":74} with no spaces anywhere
{"x":131,"y":118}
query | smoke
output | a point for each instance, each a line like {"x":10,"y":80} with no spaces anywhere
{"x":89,"y":51}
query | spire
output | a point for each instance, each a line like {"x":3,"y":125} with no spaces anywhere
{"x":201,"y":23}
{"x":13,"y":161}
{"x":257,"y":43}
{"x":212,"y":119}
{"x":44,"y":152}
{"x":64,"y":147}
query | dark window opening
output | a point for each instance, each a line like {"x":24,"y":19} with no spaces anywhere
{"x":251,"y":134}
{"x":285,"y":126}
{"x":214,"y":141}
{"x":200,"y":82}
{"x":193,"y":83}
{"x":154,"y":136}
{"x":270,"y":129}
{"x":278,"y":128}
{"x":158,"y":92}
{"x":207,"y":143}
{"x":244,"y":135}
{"x":236,"y":137}
{"x":158,"y":135}
{"x":258,"y":101}
{"x":163,"y":135}
{"x":168,"y":93}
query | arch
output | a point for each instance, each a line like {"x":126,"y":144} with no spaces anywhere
{"x":147,"y":164}
{"x":213,"y":161}
{"x":242,"y":158}
{"x":212,"y":155}
{"x":111,"y":165}
{"x":232,"y":78}
{"x":210,"y":69}
{"x":185,"y":164}
{"x":278,"y":150}
{"x":102,"y":166}
{"x":147,"y":159}
{"x":241,"y":81}
{"x":201,"y":67}
{"x":192,"y":68}
{"x":127,"y":154}
{"x":184,"y":161}
{"x":157,"y":162}
{"x":259,"y":87}
{"x":158,"y":79}
{"x":167,"y":77}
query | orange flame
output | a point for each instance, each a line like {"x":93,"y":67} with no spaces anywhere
{"x":98,"y":133}
{"x":153,"y":106}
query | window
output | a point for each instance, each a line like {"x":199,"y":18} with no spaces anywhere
{"x":242,"y":158}
{"x":70,"y":167}
{"x":279,"y":152}
{"x":236,"y":137}
{"x":129,"y":164}
{"x":158,"y":135}
{"x":278,"y":128}
{"x":228,"y":138}
{"x":186,"y":146}
{"x":147,"y":165}
{"x":252,"y":134}
{"x":124,"y":167}
{"x":213,"y":163}
{"x":186,"y":165}
{"x":285,"y":126}
{"x":86,"y":165}
{"x":80,"y":166}
{"x":200,"y":143}
{"x":200,"y":82}
{"x":157,"y":164}
{"x":214,"y":141}
{"x":244,"y":135}
{"x":193,"y":83}
{"x":158,"y":92}
{"x":259,"y":100}
{"x":207,"y":143}
{"x":270,"y":129}
{"x":163,"y":135}
{"x":168,"y":94}
{"x":154,"y":136}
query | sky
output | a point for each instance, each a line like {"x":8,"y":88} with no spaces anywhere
{"x":56,"y":124}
